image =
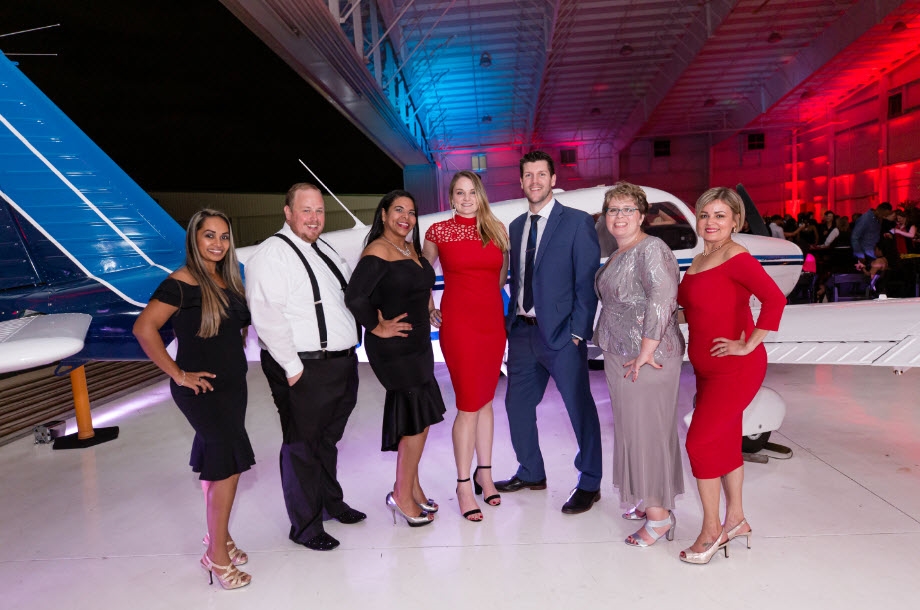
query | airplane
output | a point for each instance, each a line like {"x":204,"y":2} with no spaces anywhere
{"x":38,"y":340}
{"x":79,"y":236}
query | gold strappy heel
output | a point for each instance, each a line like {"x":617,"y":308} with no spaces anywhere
{"x":237,"y":556}
{"x":231,"y":578}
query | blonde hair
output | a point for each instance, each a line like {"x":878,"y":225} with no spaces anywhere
{"x":488,"y":226}
{"x":214,"y":302}
{"x":727,"y":196}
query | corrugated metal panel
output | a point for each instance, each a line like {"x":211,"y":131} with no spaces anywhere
{"x":37,"y":396}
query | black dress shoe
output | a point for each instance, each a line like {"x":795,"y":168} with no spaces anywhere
{"x":516,"y":484}
{"x":349,"y":516}
{"x":580,"y":501}
{"x":321,"y":542}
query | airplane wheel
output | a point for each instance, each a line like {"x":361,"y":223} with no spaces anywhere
{"x":754,"y":442}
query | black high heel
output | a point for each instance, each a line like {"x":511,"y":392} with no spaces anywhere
{"x":468,"y":513}
{"x":477,"y":488}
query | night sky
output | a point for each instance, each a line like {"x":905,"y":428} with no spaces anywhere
{"x":185,"y":98}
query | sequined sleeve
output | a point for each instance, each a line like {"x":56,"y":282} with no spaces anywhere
{"x":657,"y":271}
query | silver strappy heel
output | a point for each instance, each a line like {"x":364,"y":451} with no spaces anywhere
{"x":649,"y":528}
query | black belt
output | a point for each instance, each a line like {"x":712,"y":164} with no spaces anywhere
{"x":326,"y":354}
{"x":528,"y":320}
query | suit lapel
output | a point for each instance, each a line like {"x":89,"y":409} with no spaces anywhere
{"x":551,"y":223}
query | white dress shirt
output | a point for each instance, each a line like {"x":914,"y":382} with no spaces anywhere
{"x":281,"y":299}
{"x":777,"y":231}
{"x":544,"y":217}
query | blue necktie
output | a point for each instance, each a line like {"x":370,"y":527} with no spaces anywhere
{"x":528,"y":263}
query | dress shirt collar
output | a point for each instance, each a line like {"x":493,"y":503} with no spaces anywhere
{"x":545,"y":211}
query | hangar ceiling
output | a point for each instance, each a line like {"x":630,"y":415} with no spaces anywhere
{"x":424,"y":78}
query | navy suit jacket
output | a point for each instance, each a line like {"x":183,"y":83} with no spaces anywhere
{"x":563,"y":277}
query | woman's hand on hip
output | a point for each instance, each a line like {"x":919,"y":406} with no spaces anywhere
{"x":728,"y":347}
{"x":393,"y":327}
{"x":197,"y":382}
{"x":636,"y":363}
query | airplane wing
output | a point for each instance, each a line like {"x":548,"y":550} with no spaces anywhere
{"x":37,"y":340}
{"x":884,"y":332}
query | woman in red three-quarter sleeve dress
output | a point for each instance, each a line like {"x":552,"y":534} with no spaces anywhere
{"x":473,"y":248}
{"x":729,"y":360}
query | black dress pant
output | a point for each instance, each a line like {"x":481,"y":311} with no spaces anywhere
{"x":313,"y":412}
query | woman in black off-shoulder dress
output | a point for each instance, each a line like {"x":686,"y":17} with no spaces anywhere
{"x":390,"y":295}
{"x":205,"y":302}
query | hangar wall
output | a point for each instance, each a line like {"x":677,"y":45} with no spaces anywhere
{"x":867,"y":150}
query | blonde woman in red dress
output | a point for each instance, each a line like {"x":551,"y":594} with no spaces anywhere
{"x":729,"y":360}
{"x":473,"y":248}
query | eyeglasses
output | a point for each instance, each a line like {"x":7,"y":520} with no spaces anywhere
{"x":623,"y":211}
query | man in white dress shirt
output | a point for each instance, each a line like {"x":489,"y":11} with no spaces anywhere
{"x":308,"y":356}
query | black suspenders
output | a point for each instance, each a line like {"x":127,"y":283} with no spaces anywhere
{"x":318,"y":303}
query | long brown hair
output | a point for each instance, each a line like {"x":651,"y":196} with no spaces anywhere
{"x":488,"y":226}
{"x":214,"y":302}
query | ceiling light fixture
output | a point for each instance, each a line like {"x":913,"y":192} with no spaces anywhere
{"x":485,"y":60}
{"x":487,"y":118}
{"x":774,"y":37}
{"x":626,"y":50}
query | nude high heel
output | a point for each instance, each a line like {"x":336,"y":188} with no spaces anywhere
{"x":733,"y":533}
{"x":689,"y":556}
{"x":231,"y":578}
{"x":419,"y":521}
{"x":237,"y":556}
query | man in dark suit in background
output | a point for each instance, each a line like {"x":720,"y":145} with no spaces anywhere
{"x":554,"y":256}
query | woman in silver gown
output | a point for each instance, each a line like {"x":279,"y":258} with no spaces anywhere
{"x":643,"y":351}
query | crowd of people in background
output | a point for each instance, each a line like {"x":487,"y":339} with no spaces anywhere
{"x":862,"y":256}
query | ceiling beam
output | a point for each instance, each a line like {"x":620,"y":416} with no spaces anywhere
{"x":702,"y":28}
{"x":306,"y":36}
{"x":861,"y":17}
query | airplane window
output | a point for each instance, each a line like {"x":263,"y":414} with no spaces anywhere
{"x":666,"y":222}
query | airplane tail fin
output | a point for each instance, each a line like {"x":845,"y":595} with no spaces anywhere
{"x":67,"y":189}
{"x":755,"y":220}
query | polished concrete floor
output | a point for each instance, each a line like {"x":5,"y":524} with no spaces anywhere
{"x":119,"y":525}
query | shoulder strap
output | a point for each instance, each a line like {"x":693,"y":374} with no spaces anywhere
{"x":318,"y":303}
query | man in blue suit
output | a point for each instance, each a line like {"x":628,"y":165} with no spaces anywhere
{"x":554,"y":255}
